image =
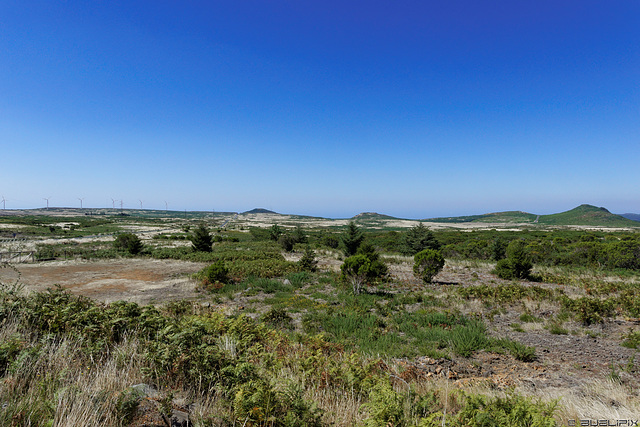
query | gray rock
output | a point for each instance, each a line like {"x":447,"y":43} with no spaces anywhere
{"x":144,"y":390}
{"x":179,"y":419}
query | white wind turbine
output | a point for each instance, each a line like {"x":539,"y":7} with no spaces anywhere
{"x":81,"y":199}
{"x":47,"y":199}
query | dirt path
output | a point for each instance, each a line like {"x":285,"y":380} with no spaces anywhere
{"x":144,"y":281}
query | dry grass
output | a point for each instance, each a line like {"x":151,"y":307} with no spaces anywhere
{"x":598,"y":399}
{"x":60,"y":382}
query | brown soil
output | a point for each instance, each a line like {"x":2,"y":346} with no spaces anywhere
{"x":140,"y":280}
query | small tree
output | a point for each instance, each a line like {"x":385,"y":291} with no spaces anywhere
{"x":428,"y":263}
{"x":308,"y":261}
{"x":417,"y":239}
{"x":299,"y":236}
{"x":201,"y":240}
{"x":355,"y":270}
{"x":128,"y":242}
{"x":517,"y":264}
{"x":214,"y":276}
{"x":352,"y":239}
{"x":275,"y":232}
{"x":286,"y":241}
{"x":378,"y":269}
{"x":498,"y":249}
{"x":331,"y":241}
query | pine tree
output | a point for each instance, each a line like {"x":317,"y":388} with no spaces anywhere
{"x":417,"y":239}
{"x":352,"y":239}
{"x":201,"y":240}
{"x":308,"y":261}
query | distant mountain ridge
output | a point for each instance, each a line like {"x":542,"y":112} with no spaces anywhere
{"x":631,"y":216}
{"x":581,"y":215}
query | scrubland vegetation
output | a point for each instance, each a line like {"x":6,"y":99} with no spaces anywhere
{"x":299,"y":327}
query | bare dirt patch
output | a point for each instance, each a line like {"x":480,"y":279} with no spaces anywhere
{"x":143,"y":281}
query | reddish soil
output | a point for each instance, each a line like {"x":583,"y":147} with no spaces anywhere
{"x":141,"y":280}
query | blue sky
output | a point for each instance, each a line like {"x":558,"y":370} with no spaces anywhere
{"x":415,"y":109}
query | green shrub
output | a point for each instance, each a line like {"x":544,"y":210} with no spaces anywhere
{"x":417,"y":239}
{"x":201,"y":240}
{"x":469,"y":338}
{"x":352,"y":239}
{"x":128,"y":242}
{"x":520,"y":351}
{"x":504,"y":269}
{"x":428,"y":263}
{"x":214,"y":276}
{"x":355,"y":269}
{"x":517,"y":255}
{"x":278,"y":317}
{"x":286,"y":241}
{"x":377,"y":269}
{"x":589,"y":310}
{"x":308,"y":261}
{"x":275,"y":232}
{"x":632,"y":339}
{"x":385,"y":406}
{"x":498,"y":249}
{"x":331,"y":241}
{"x":510,"y":411}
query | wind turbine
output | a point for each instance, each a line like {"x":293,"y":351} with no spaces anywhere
{"x":4,"y":206}
{"x":113,"y":203}
{"x":166,"y":206}
{"x":47,"y":199}
{"x":140,"y":203}
{"x":81,"y":199}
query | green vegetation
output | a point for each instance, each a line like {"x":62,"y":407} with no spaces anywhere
{"x":427,"y":264}
{"x":128,"y":242}
{"x":417,"y":239}
{"x":351,"y":239}
{"x":312,"y":344}
{"x":232,"y":363}
{"x":586,"y":215}
{"x":516,"y":265}
{"x":201,"y":239}
{"x":308,"y":262}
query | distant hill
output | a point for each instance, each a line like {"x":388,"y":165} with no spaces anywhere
{"x":587,"y":215}
{"x":371,"y":216}
{"x":260,"y":211}
{"x":631,"y":216}
{"x":582,"y":215}
{"x":509,"y":216}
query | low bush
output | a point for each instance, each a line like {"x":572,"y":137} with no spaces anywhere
{"x":214,"y":276}
{"x":128,"y":242}
{"x":427,"y":264}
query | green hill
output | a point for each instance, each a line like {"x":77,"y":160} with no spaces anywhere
{"x":371,"y":216}
{"x":582,"y":215}
{"x":260,"y":211}
{"x":587,"y":215}
{"x":502,"y":217}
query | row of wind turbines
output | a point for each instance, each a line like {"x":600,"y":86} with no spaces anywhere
{"x":81,"y":199}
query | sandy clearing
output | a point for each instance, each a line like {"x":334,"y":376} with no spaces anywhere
{"x":144,"y":281}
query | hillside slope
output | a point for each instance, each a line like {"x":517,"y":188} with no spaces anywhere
{"x":587,"y":215}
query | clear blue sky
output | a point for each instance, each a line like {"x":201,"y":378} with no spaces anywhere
{"x":411,"y":108}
